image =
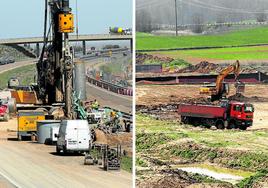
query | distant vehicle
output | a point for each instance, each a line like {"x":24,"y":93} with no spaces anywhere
{"x":120,"y":31}
{"x":74,"y":136}
{"x":6,"y":60}
{"x":4,"y":112}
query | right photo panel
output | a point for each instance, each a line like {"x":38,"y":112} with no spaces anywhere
{"x":201,"y":94}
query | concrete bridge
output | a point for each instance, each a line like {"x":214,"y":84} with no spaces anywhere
{"x":72,"y":38}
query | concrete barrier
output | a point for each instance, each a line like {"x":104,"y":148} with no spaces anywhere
{"x":110,"y":87}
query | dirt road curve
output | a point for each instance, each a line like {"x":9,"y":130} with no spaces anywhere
{"x":4,"y":68}
{"x":106,"y":98}
{"x":28,"y":164}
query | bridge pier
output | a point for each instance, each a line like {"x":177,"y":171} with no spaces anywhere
{"x":131,"y":45}
{"x":84,"y":47}
{"x":37,"y":50}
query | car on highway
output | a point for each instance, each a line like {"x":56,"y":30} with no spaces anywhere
{"x":6,"y":60}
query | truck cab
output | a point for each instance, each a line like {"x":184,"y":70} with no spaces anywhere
{"x":241,"y":115}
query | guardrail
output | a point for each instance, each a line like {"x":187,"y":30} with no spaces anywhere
{"x":111,"y":87}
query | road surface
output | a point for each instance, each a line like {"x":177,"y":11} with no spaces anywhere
{"x":110,"y":99}
{"x":29,"y":165}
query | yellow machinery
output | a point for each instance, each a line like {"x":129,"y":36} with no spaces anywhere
{"x":27,"y":121}
{"x":220,"y":89}
{"x":24,"y":97}
{"x":66,"y":23}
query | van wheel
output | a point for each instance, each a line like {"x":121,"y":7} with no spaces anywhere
{"x":57,"y":150}
{"x":220,"y":125}
{"x":64,"y":150}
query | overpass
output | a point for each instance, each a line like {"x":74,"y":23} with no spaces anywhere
{"x":72,"y":38}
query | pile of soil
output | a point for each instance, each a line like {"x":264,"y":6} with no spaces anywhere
{"x":203,"y":67}
{"x":141,"y":58}
{"x":241,"y":98}
{"x":123,"y":139}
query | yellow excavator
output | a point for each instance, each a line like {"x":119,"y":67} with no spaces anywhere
{"x":220,"y":89}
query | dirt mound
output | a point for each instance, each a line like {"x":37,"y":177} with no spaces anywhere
{"x":141,"y":58}
{"x":177,"y":179}
{"x":124,"y":139}
{"x":241,"y":98}
{"x":203,"y":67}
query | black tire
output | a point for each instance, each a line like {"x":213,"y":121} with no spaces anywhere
{"x":242,"y":128}
{"x":57,"y":150}
{"x":220,"y":125}
{"x":64,"y":150}
{"x":231,"y":125}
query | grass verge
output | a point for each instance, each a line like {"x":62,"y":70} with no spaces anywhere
{"x":25,"y":75}
{"x":127,"y":164}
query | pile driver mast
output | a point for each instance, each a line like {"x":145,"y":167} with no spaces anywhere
{"x":55,"y":66}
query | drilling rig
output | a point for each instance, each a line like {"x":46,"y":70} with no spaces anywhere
{"x":56,"y":62}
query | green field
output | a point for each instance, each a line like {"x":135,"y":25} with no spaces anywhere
{"x":237,"y":38}
{"x":241,"y":53}
{"x":25,"y":75}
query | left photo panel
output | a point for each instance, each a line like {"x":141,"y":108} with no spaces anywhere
{"x":66,"y":94}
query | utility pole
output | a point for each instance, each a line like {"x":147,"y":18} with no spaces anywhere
{"x":176,"y":15}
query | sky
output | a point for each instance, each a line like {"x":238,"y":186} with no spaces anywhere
{"x":24,"y":18}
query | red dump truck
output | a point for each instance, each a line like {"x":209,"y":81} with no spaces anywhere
{"x":228,"y":114}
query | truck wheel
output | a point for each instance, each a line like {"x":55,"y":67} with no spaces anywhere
{"x":220,"y":125}
{"x":242,"y":128}
{"x":231,"y":125}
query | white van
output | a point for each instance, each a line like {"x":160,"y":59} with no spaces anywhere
{"x":74,"y":136}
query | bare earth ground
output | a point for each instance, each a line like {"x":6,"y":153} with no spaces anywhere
{"x":166,"y":94}
{"x":29,"y":164}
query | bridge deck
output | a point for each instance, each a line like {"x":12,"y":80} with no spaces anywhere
{"x":72,"y":38}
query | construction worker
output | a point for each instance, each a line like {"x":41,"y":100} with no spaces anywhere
{"x":95,"y":105}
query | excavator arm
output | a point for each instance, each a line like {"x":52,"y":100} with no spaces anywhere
{"x":219,"y":90}
{"x":235,"y":68}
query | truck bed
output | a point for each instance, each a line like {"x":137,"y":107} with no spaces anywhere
{"x":205,"y":111}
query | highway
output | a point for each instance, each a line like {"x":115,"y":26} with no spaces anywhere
{"x":8,"y":67}
{"x":106,"y":98}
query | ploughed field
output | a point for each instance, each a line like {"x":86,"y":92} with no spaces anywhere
{"x":172,"y":154}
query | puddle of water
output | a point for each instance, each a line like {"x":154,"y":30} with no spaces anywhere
{"x":218,"y":173}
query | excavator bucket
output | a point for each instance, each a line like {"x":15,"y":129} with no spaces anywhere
{"x":240,"y":87}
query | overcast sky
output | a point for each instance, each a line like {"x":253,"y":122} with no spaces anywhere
{"x":24,"y":18}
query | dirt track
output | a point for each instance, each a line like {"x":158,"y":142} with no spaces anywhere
{"x":29,"y":164}
{"x":150,"y":95}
